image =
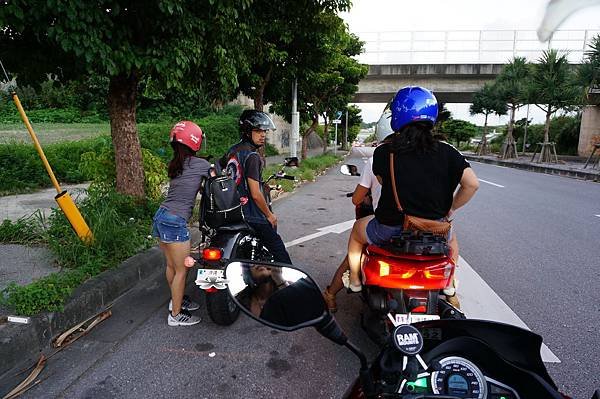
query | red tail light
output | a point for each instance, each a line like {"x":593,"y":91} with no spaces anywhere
{"x":212,"y":253}
{"x":211,"y":290}
{"x":408,"y":273}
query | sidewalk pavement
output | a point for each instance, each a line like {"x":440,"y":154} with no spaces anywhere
{"x":22,"y":344}
{"x":567,"y":166}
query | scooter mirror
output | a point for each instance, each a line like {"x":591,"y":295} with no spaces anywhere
{"x":291,"y":161}
{"x":277,"y":295}
{"x":349,"y":170}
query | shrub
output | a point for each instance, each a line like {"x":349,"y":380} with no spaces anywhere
{"x":21,"y":168}
{"x":270,"y":150}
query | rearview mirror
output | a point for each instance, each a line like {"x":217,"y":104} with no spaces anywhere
{"x":291,"y":161}
{"x":349,"y":170}
{"x":277,"y":295}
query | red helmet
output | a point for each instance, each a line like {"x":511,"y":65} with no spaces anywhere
{"x":188,"y":134}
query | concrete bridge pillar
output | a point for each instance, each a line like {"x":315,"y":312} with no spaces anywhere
{"x":589,"y":132}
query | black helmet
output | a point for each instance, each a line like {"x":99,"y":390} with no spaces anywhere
{"x":253,"y":119}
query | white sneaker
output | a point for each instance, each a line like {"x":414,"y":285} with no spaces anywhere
{"x":186,"y":304}
{"x":183,"y":318}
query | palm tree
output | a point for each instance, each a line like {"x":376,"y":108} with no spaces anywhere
{"x":588,"y":74}
{"x":512,"y":88}
{"x":553,"y":88}
{"x":486,"y":101}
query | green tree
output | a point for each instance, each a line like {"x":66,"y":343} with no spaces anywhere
{"x":487,"y":101}
{"x":328,"y":85}
{"x":588,"y":73}
{"x":443,"y":115}
{"x":458,"y":130}
{"x":176,"y":43}
{"x":553,"y":87}
{"x":283,"y":45}
{"x":511,"y":84}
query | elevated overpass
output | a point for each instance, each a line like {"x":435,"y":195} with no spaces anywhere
{"x":451,"y":83}
{"x":454,"y":64}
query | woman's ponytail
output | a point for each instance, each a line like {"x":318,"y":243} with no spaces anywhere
{"x":180,"y":153}
{"x":415,"y":137}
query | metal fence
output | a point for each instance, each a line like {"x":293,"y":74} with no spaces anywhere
{"x":468,"y":46}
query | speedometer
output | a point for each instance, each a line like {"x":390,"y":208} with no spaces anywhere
{"x":459,"y":377}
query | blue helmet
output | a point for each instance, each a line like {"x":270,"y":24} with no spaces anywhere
{"x":413,"y":104}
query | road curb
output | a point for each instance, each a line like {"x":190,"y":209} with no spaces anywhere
{"x":576,"y":174}
{"x":22,"y":344}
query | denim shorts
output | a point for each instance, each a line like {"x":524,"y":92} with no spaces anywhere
{"x":380,"y":234}
{"x":169,"y":228}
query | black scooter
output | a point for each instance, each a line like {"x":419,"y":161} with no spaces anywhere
{"x":236,"y":241}
{"x":438,"y":359}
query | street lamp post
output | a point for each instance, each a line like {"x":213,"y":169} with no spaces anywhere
{"x":295,"y":133}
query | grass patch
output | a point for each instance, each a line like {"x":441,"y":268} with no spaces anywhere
{"x":120,"y":226}
{"x":308,"y":169}
{"x":27,"y":230}
{"x":49,"y":133}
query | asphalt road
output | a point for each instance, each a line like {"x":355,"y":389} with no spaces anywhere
{"x":534,"y":241}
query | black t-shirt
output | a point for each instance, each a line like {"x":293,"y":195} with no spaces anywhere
{"x":253,"y":167}
{"x":425,"y":182}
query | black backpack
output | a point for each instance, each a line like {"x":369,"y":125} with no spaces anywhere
{"x":221,"y":203}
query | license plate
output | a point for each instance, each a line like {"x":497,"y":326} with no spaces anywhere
{"x":211,"y":278}
{"x":402,"y":318}
{"x":214,"y":273}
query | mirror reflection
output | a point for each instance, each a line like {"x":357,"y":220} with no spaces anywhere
{"x":282,"y":296}
{"x":349,"y":170}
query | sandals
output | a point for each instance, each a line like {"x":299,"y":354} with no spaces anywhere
{"x":330,"y":300}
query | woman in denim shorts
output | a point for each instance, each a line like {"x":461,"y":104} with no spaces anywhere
{"x":186,"y":173}
{"x":427,"y":172}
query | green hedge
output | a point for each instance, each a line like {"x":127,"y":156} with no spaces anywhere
{"x":21,"y":169}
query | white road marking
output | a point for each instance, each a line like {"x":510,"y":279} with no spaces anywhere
{"x":489,"y":182}
{"x":479,"y":301}
{"x":598,"y":215}
{"x":334,"y":228}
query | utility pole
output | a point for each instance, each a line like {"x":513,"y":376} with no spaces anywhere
{"x":346,"y":131}
{"x":295,"y":133}
{"x":335,"y":141}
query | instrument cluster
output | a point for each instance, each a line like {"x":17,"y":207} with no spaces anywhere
{"x":461,"y":378}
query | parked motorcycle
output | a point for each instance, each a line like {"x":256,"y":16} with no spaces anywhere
{"x":235,"y":241}
{"x":445,"y":359}
{"x":404,"y":277}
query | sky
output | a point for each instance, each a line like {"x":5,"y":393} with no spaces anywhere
{"x":430,"y":15}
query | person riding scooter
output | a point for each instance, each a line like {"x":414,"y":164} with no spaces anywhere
{"x":426,"y":172}
{"x":368,"y":184}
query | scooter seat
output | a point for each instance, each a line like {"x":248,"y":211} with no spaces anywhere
{"x":235,"y":227}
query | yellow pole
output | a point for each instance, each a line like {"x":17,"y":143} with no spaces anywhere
{"x":63,"y":198}
{"x":36,"y":143}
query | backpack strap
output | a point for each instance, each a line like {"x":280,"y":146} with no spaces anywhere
{"x":398,"y":205}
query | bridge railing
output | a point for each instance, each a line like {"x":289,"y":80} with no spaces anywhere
{"x":468,"y":46}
